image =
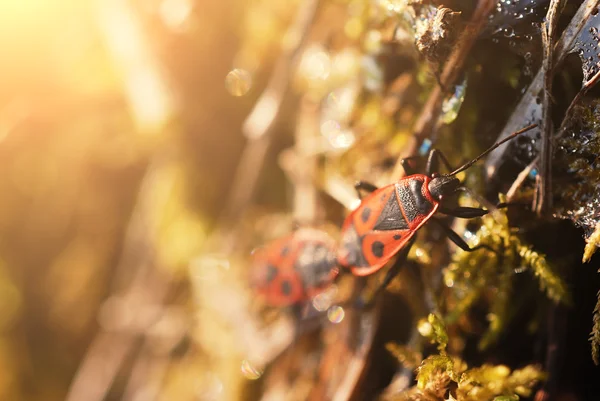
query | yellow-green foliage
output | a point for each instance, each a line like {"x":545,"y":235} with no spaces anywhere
{"x":407,"y":357}
{"x":475,"y":275}
{"x":433,"y":328}
{"x":550,"y":281}
{"x":593,"y":242}
{"x":490,"y":381}
{"x":441,"y":374}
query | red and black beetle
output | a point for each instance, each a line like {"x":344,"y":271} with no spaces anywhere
{"x":295,"y":268}
{"x":387,"y":219}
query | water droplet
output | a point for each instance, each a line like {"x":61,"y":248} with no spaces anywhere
{"x":425,"y":328}
{"x":238,"y":82}
{"x":468,"y":235}
{"x":452,"y":105}
{"x":520,"y":269}
{"x":250,"y":371}
{"x":336,"y":314}
{"x":508,"y":32}
{"x":449,"y":280}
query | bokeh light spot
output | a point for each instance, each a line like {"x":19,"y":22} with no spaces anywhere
{"x":238,"y":82}
{"x":250,"y":371}
{"x":336,"y":314}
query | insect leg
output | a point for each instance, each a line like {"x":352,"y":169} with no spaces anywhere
{"x":433,"y":162}
{"x":395,"y":269}
{"x":364,"y":186}
{"x":408,"y":169}
{"x":464,"y":212}
{"x":454,"y":237}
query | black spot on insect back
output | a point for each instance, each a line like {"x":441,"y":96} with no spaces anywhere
{"x":351,"y":248}
{"x":365,"y":214}
{"x":377,"y":248}
{"x":271,"y":273}
{"x":286,"y":288}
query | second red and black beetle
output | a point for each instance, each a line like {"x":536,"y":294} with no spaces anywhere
{"x":293,"y":269}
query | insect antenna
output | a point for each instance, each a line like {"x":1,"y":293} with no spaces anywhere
{"x":494,"y":146}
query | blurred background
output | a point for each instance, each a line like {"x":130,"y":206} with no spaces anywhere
{"x":118,"y":143}
{"x":147,"y":146}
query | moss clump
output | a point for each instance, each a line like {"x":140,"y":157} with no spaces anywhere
{"x":488,"y":276}
{"x":442,"y":377}
{"x":577,"y":167}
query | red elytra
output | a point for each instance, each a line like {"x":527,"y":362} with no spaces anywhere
{"x":295,"y":268}
{"x":384,"y":223}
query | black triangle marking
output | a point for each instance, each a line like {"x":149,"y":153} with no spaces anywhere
{"x":391,"y":217}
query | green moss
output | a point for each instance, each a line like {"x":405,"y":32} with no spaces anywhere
{"x":488,"y":276}
{"x":577,"y":167}
{"x":442,"y":377}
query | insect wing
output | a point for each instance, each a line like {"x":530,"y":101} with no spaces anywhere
{"x":294,"y":268}
{"x":374,"y":232}
{"x":379,"y":247}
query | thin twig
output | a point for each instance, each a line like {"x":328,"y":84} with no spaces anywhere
{"x":258,"y":127}
{"x":543,"y":199}
{"x":584,"y":90}
{"x":512,"y":191}
{"x":305,"y":191}
{"x":428,"y":119}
